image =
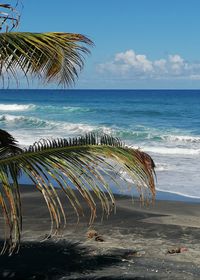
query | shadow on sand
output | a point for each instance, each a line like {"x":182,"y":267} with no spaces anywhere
{"x":116,"y":278}
{"x":52,"y":260}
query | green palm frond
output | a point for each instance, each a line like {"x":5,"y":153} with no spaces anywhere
{"x":79,"y":162}
{"x":53,"y":56}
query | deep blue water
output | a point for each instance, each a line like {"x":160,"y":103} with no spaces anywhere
{"x":164,"y":123}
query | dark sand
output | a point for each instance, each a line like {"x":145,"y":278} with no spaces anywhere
{"x":136,"y":243}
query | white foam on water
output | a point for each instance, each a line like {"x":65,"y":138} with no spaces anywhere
{"x":172,"y":150}
{"x":182,"y":138}
{"x":75,"y":109}
{"x":27,"y":130}
{"x":29,"y":107}
{"x":16,"y":107}
{"x":53,"y":127}
{"x":194,"y":193}
{"x":160,"y":167}
{"x":10,"y":118}
{"x":23,"y":121}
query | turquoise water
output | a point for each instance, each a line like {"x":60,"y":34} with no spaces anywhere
{"x":166,"y":124}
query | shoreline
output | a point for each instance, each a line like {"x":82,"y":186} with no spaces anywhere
{"x":163,"y":195}
{"x":160,"y":195}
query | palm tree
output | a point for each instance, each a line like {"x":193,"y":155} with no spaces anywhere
{"x":76,"y":163}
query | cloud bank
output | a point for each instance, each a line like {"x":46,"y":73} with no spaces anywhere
{"x":129,"y":65}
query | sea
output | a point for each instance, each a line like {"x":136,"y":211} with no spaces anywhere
{"x":163,"y":123}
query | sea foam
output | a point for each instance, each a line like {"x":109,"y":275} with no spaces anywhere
{"x":182,"y":138}
{"x":16,"y":107}
{"x":172,"y":151}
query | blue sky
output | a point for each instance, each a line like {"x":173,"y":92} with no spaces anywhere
{"x":138,"y":43}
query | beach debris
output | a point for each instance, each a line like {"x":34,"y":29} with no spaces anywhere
{"x":135,"y":253}
{"x":177,"y":250}
{"x":139,"y":253}
{"x":94,"y":234}
{"x":99,"y":238}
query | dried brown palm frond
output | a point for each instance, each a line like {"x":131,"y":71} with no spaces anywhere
{"x":79,"y":162}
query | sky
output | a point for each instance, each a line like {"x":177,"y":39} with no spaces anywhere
{"x":139,"y":44}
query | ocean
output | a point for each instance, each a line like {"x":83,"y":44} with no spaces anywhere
{"x":163,"y":123}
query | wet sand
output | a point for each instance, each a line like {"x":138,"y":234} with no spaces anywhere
{"x":158,"y":242}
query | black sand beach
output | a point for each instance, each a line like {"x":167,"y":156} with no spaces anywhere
{"x":159,"y":242}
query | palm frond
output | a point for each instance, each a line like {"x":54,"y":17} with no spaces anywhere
{"x":8,"y":144}
{"x":9,"y":16}
{"x":79,"y":162}
{"x":53,"y":56}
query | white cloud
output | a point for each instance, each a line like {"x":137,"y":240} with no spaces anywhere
{"x":161,"y":63}
{"x":176,"y":59}
{"x":177,"y":63}
{"x":130,"y":65}
{"x":138,"y":61}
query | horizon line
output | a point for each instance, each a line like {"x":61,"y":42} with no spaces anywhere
{"x":99,"y":89}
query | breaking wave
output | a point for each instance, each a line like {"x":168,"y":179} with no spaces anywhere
{"x":172,"y":150}
{"x":48,"y":108}
{"x":16,"y":107}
